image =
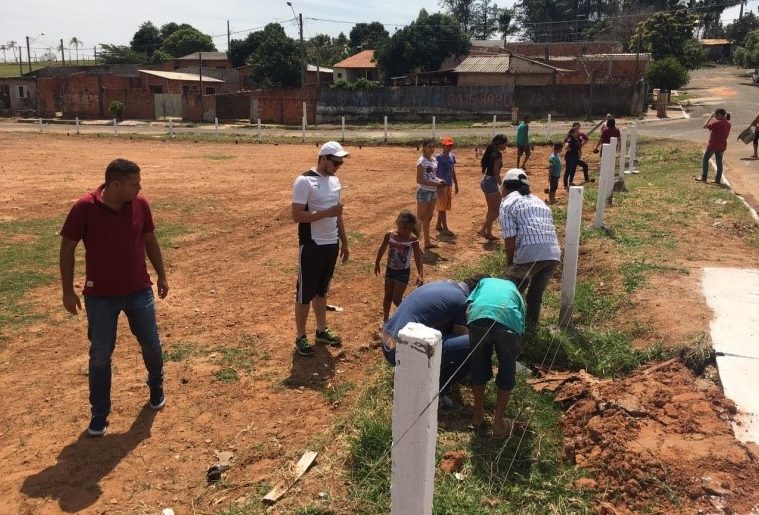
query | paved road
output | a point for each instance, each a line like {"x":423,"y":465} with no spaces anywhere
{"x":710,"y":88}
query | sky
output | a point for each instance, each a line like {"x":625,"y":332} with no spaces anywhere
{"x":95,"y":22}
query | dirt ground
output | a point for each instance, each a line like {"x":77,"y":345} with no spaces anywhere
{"x":232,"y":267}
{"x":658,"y":441}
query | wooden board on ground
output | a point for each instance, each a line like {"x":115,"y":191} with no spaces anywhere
{"x":282,"y":487}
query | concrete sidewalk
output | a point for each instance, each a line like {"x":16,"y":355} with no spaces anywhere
{"x":733,"y":296}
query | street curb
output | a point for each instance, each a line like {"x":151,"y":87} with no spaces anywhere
{"x":751,"y":210}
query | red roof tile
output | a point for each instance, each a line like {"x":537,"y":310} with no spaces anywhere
{"x":360,"y":60}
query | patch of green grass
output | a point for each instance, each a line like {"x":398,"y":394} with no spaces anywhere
{"x":227,"y":375}
{"x":28,"y":259}
{"x":634,"y":273}
{"x":178,"y":352}
{"x":521,"y":475}
{"x":335,"y":393}
{"x":218,"y":157}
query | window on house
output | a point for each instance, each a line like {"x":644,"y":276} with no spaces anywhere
{"x":210,"y":91}
{"x":156,"y":89}
{"x":23,"y":92}
{"x":339,"y":75}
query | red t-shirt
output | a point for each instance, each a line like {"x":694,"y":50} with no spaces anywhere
{"x":720,"y":130}
{"x":609,"y":132}
{"x":114,"y":243}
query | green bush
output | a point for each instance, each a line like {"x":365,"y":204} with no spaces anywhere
{"x":667,"y":74}
{"x":357,"y":85}
{"x":694,"y":55}
{"x":747,"y":56}
{"x":116,"y":110}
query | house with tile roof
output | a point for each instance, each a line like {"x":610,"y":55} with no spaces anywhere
{"x":359,"y":66}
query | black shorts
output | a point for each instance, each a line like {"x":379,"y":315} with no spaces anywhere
{"x":316,"y":264}
{"x":756,"y":135}
{"x":553,"y":182}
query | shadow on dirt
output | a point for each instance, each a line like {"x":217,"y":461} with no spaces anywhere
{"x":74,"y":479}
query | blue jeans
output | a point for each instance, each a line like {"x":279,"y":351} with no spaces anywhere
{"x":102,"y":318}
{"x":455,"y":351}
{"x":705,"y":165}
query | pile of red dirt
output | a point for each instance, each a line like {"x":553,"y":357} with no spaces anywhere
{"x":659,"y":441}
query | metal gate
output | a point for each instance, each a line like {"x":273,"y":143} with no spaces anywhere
{"x":167,"y":105}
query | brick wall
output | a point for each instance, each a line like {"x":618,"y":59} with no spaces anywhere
{"x":198,"y":108}
{"x":48,"y":96}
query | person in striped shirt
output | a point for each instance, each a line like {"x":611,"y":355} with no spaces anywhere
{"x":530,"y":242}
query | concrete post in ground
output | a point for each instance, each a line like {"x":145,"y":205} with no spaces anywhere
{"x":259,"y":130}
{"x":434,"y":132}
{"x":633,"y":148}
{"x":492,"y":131}
{"x":622,"y":152}
{"x":40,"y":124}
{"x":77,"y":125}
{"x":114,"y":126}
{"x":171,"y":128}
{"x":571,"y":251}
{"x":216,"y":127}
{"x":303,"y":130}
{"x":606,"y":175}
{"x":343,"y":130}
{"x":612,"y":164}
{"x":417,"y":375}
{"x":305,"y":114}
{"x":385,"y":129}
{"x":548,"y":128}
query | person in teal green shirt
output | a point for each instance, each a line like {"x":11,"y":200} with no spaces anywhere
{"x":495,"y":315}
{"x":523,"y":142}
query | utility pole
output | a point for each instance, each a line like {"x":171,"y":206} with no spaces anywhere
{"x":740,"y":16}
{"x":302,"y":59}
{"x":200,"y":72}
{"x":28,"y":54}
{"x":229,"y":34}
{"x":95,"y":53}
{"x":63,"y":55}
{"x":20,"y":62}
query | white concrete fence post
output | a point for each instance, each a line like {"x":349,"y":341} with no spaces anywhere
{"x":343,"y":130}
{"x":305,"y":114}
{"x":259,"y":130}
{"x":434,"y":132}
{"x":385,"y":129}
{"x":303,"y":129}
{"x":216,"y":127}
{"x":633,"y":148}
{"x":115,"y":125}
{"x":417,"y":376}
{"x":492,"y":130}
{"x":77,"y":125}
{"x":571,"y":251}
{"x":607,"y":174}
{"x":171,"y":128}
{"x":40,"y":124}
{"x":622,"y":152}
{"x":548,"y":128}
{"x":612,"y":165}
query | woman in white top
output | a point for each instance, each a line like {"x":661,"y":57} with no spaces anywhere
{"x":427,"y":184}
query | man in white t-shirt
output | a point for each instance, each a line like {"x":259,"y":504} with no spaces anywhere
{"x":318,"y":210}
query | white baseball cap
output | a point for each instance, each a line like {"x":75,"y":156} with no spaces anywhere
{"x":332,"y":148}
{"x":516,"y":174}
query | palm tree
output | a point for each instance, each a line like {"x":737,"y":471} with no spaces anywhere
{"x":76,"y":44}
{"x":12,"y":45}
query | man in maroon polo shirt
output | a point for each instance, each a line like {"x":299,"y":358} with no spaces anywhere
{"x":719,"y":130}
{"x":116,"y":226}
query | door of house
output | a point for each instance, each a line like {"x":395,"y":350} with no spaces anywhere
{"x":5,"y":96}
{"x":167,"y":105}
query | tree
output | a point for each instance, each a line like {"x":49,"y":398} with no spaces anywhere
{"x":276,"y":60}
{"x":747,"y":56}
{"x":147,"y":39}
{"x":240,"y":49}
{"x":170,"y":28}
{"x":694,"y":54}
{"x":422,"y":45}
{"x":462,"y":11}
{"x":76,"y":44}
{"x":667,"y":74}
{"x":121,"y":54}
{"x":505,"y":23}
{"x":187,"y":41}
{"x":368,"y":36}
{"x":737,"y":31}
{"x":664,"y":34}
{"x":484,"y":20}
